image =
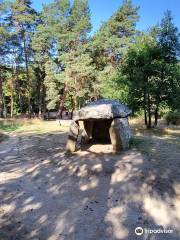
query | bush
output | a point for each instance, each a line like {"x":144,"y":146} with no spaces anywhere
{"x":173,"y":118}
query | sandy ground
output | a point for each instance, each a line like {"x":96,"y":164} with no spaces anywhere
{"x":93,"y":194}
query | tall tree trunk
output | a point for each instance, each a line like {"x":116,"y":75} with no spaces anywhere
{"x":156,"y":116}
{"x":149,"y":112}
{"x":27,"y":76}
{"x":149,"y":120}
{"x":4,"y":107}
{"x":40,"y":101}
{"x":13,"y":80}
{"x":75,"y":103}
{"x":12,"y":99}
{"x":62,"y":100}
{"x":40,"y":90}
{"x":145,"y":110}
{"x":44,"y":105}
{"x":29,"y":105}
{"x":75,"y":94}
{"x":145,"y":117}
{"x":19,"y":94}
{"x":1,"y":95}
{"x":72,"y":104}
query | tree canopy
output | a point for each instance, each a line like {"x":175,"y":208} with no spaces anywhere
{"x":49,"y":60}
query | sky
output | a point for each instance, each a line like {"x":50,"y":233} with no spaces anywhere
{"x":151,"y":11}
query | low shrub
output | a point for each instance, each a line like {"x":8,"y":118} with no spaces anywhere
{"x":173,"y":118}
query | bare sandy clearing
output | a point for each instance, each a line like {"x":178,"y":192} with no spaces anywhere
{"x":93,"y":194}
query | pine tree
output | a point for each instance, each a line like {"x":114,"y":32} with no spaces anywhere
{"x":169,"y":38}
{"x":3,"y":38}
{"x":110,"y":43}
{"x":69,"y":26}
{"x":42,"y":45}
{"x":116,"y":34}
{"x":169,"y":43}
{"x":22,"y":22}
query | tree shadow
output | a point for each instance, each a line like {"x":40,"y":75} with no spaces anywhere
{"x":48,"y":194}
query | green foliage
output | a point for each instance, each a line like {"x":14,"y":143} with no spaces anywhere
{"x":115,"y":34}
{"x":49,"y":60}
{"x":115,"y":87}
{"x":78,"y":74}
{"x":9,"y":126}
{"x":108,"y":47}
{"x":169,"y":39}
{"x":51,"y":83}
{"x":173,"y":118}
{"x":152,"y":76}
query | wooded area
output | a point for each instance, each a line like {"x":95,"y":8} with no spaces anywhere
{"x":51,"y":60}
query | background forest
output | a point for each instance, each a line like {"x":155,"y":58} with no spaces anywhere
{"x":50,"y":60}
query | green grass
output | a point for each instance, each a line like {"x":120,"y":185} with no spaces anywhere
{"x":30,"y":126}
{"x":9,"y":126}
{"x":156,"y":141}
{"x":143,"y":144}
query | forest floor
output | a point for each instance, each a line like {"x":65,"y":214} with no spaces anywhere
{"x":46,"y":194}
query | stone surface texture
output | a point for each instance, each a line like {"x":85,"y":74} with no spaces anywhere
{"x":71,"y":145}
{"x":103,"y":109}
{"x":104,"y":120}
{"x":120,"y":134}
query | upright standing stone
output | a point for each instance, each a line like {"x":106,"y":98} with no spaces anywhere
{"x":71,"y":145}
{"x":120,"y":134}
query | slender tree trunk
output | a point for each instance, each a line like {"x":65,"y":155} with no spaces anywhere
{"x":145,"y":117}
{"x":19,"y":94}
{"x":63,"y":98}
{"x":40,"y":90}
{"x":156,"y":116}
{"x":27,"y":76}
{"x":149,"y":120}
{"x":12,"y":99}
{"x":13,"y":80}
{"x":75,"y":104}
{"x":4,"y":107}
{"x":42,"y":108}
{"x":75,"y":95}
{"x":40,"y":100}
{"x":1,"y":95}
{"x":145,"y":110}
{"x":72,"y":111}
{"x":44,"y":105}
{"x":29,"y":105}
{"x":149,"y":112}
{"x":20,"y":102}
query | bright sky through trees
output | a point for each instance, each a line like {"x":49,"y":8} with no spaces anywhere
{"x":150,"y":12}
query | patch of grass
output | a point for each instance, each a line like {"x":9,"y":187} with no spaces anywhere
{"x":31,"y":126}
{"x":143,"y":144}
{"x":136,"y":142}
{"x":9,"y":126}
{"x":155,"y":142}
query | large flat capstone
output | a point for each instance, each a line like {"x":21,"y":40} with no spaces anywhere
{"x":103,"y":109}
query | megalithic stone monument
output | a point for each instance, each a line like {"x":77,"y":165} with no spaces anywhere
{"x":103,"y":120}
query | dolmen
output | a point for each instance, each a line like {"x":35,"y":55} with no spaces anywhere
{"x":104,"y":121}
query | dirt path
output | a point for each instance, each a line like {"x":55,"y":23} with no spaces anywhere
{"x":48,"y":195}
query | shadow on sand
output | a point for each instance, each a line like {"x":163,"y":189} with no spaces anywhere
{"x":47,"y":194}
